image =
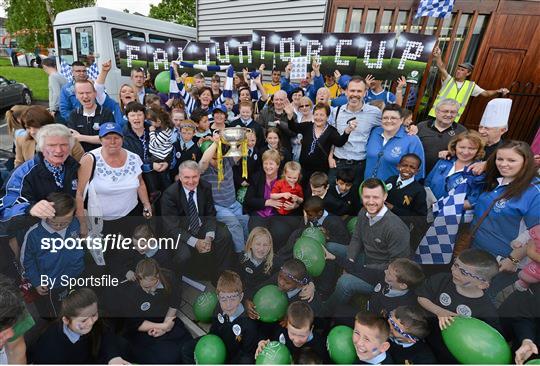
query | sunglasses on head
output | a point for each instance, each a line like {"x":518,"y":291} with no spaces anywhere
{"x":401,"y":331}
{"x":467,"y":273}
{"x":302,"y":282}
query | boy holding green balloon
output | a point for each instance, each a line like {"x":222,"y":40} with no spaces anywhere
{"x":299,"y":335}
{"x":232,"y":325}
{"x":459,"y":293}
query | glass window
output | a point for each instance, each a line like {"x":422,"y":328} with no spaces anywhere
{"x":118,"y":34}
{"x":65,"y":45}
{"x":476,"y":38}
{"x":84,"y":37}
{"x":154,"y":38}
{"x":341,"y":20}
{"x":386,"y":21}
{"x":370,"y":21}
{"x":431,"y":26}
{"x":463,"y":28}
{"x":401,"y":23}
{"x":356,"y":18}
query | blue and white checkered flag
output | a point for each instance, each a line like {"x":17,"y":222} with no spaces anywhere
{"x":434,"y":8}
{"x":437,"y":245}
{"x":93,"y":72}
{"x":65,"y":70}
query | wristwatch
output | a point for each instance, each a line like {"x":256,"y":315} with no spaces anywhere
{"x":514,"y":260}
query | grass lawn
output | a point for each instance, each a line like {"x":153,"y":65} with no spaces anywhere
{"x":34,"y":78}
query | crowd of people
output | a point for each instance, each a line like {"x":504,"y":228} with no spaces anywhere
{"x":424,"y":221}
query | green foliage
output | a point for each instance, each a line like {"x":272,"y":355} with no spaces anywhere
{"x":34,"y":78}
{"x":31,"y":20}
{"x":176,"y":11}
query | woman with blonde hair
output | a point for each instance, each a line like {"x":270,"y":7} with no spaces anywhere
{"x":15,"y":129}
{"x":262,"y":208}
{"x":33,"y":119}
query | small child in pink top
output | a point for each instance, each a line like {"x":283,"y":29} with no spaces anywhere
{"x":530,"y":274}
{"x":287,"y":189}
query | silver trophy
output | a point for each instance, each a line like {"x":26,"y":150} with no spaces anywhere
{"x":234,"y":137}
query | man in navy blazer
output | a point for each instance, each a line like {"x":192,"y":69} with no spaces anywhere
{"x":189,"y":217}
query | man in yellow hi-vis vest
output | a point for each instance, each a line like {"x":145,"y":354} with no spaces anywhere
{"x":458,"y":87}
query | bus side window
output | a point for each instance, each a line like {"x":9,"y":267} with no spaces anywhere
{"x":65,"y":45}
{"x":117,"y":35}
{"x":154,"y":38}
{"x":84,"y":37}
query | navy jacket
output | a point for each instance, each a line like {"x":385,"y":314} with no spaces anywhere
{"x":30,"y":183}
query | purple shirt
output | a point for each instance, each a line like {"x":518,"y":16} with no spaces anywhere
{"x":267,"y":211}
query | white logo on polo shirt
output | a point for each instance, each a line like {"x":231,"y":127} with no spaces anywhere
{"x":445,"y":299}
{"x":464,"y":310}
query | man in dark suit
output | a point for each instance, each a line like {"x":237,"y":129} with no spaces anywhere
{"x":188,"y":211}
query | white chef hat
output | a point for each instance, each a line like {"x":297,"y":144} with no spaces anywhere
{"x":497,"y":113}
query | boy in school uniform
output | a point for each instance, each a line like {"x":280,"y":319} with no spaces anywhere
{"x":459,"y":293}
{"x":408,"y":329}
{"x":184,"y":148}
{"x":407,"y":197}
{"x":370,"y":339}
{"x":232,"y":325}
{"x":38,"y":260}
{"x":342,"y":197}
{"x":254,"y":163}
{"x":389,"y":289}
{"x":202,"y":131}
{"x":335,"y":231}
{"x":299,"y":333}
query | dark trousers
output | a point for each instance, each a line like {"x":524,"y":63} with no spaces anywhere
{"x":207,"y":266}
{"x":280,"y":227}
{"x":358,"y":166}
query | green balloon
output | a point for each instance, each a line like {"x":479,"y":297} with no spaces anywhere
{"x":162,"y":82}
{"x":316,"y":234}
{"x":340,"y":345}
{"x":352,"y":224}
{"x":205,"y":145}
{"x":274,"y":353}
{"x":311,"y":253}
{"x":271,"y":303}
{"x":536,"y":361}
{"x":472,"y":341}
{"x":210,"y":350}
{"x":204,"y":306}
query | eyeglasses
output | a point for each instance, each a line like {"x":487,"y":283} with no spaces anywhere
{"x":467,"y":273}
{"x":401,"y":331}
{"x":447,"y":111}
{"x":228,"y":298}
{"x":305,"y":105}
{"x":393,"y":118}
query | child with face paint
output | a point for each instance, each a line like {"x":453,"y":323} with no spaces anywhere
{"x":293,"y":280}
{"x":232,"y":325}
{"x":408,"y":328}
{"x":79,"y":337}
{"x":459,"y":293}
{"x":370,"y":339}
{"x":299,"y":335}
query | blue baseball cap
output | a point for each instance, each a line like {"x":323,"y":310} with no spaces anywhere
{"x":110,"y":127}
{"x":220,"y":108}
{"x":344,"y":81}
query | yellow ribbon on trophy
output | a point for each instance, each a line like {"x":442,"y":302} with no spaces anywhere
{"x":220,"y":175}
{"x":244,"y":158}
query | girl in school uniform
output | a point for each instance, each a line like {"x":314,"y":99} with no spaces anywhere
{"x":79,"y":336}
{"x":155,"y":334}
{"x":256,"y":262}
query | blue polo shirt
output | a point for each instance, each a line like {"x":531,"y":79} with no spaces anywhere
{"x":386,"y":96}
{"x":382,"y":161}
{"x":502,"y":224}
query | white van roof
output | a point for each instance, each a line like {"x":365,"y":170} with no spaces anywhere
{"x":97,"y":14}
